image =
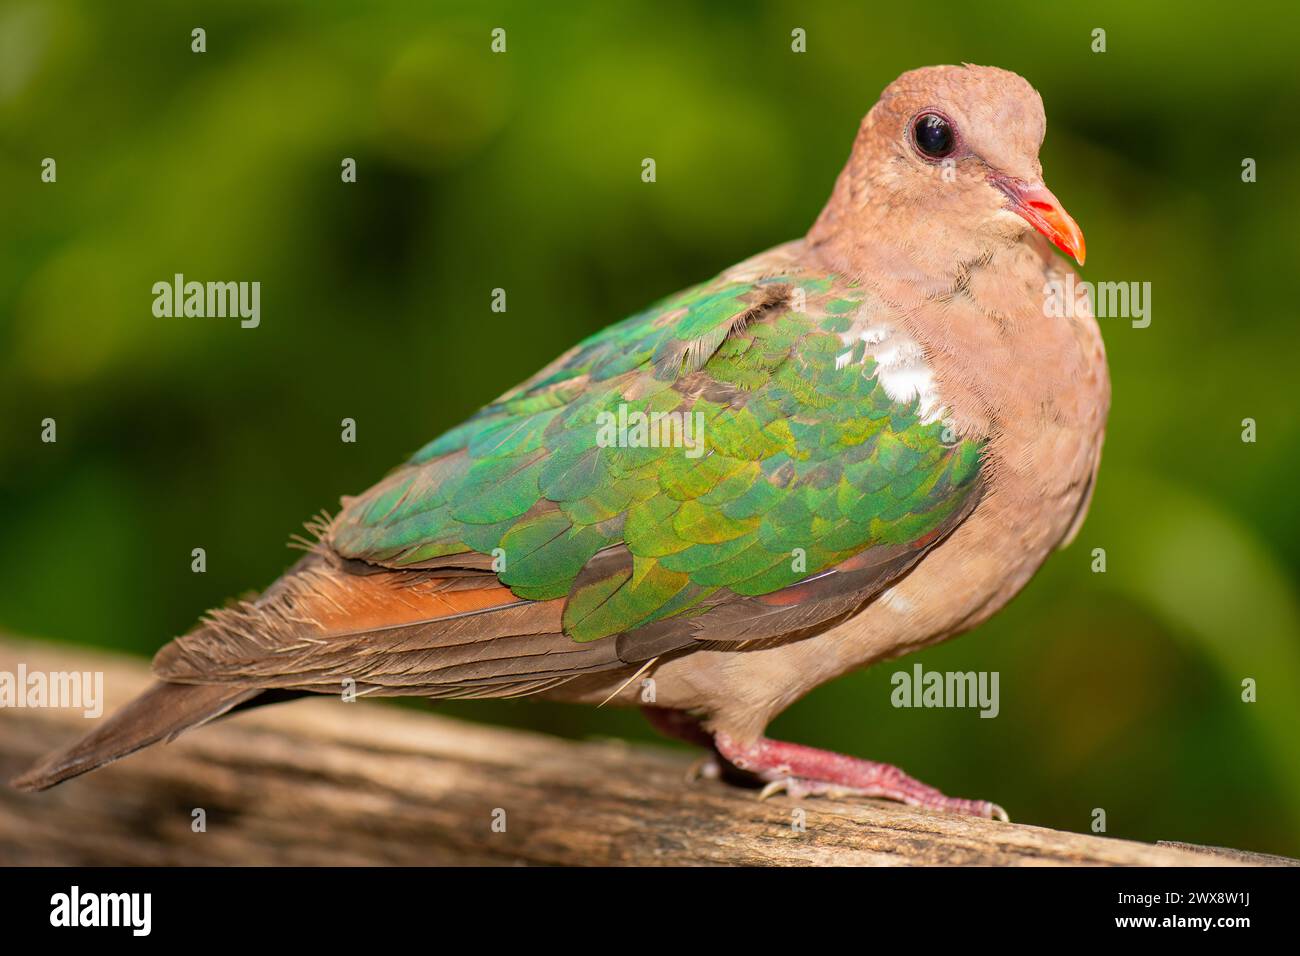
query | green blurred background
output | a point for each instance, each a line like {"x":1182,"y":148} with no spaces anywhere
{"x":1120,"y":690}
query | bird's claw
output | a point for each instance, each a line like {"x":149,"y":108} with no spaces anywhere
{"x":773,"y":788}
{"x":706,"y":767}
{"x":797,"y":788}
{"x":995,"y":812}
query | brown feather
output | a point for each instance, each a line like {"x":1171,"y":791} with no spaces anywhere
{"x":163,"y":712}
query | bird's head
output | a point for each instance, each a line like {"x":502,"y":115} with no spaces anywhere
{"x":949,"y":156}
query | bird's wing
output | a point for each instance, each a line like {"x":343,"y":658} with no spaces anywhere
{"x":749,"y":459}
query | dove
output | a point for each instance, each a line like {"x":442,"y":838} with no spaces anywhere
{"x":844,"y":449}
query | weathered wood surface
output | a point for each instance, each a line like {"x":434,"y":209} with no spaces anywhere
{"x":325,"y":782}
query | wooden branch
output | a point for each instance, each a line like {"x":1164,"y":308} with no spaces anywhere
{"x":324,"y":782}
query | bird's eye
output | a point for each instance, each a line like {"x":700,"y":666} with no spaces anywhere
{"x":934,"y":136}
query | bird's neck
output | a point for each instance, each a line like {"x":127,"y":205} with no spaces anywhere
{"x":923,"y":248}
{"x":975,"y":302}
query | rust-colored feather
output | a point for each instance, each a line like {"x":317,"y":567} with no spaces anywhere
{"x":389,"y":632}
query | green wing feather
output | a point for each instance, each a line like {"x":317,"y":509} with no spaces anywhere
{"x":802,"y":460}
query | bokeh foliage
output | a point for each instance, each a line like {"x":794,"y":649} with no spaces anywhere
{"x":1119,"y":690}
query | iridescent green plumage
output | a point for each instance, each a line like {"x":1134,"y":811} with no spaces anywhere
{"x":790,"y":458}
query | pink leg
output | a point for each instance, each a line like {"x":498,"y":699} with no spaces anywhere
{"x":805,"y":771}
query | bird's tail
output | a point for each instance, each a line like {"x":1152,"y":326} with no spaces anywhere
{"x":163,"y":712}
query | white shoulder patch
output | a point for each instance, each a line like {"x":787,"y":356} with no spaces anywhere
{"x":900,"y":366}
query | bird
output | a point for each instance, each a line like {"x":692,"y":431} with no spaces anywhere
{"x":852,"y":446}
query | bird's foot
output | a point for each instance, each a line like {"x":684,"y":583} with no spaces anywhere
{"x":806,"y":771}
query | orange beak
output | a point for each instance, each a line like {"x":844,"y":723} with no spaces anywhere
{"x":1043,"y":211}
